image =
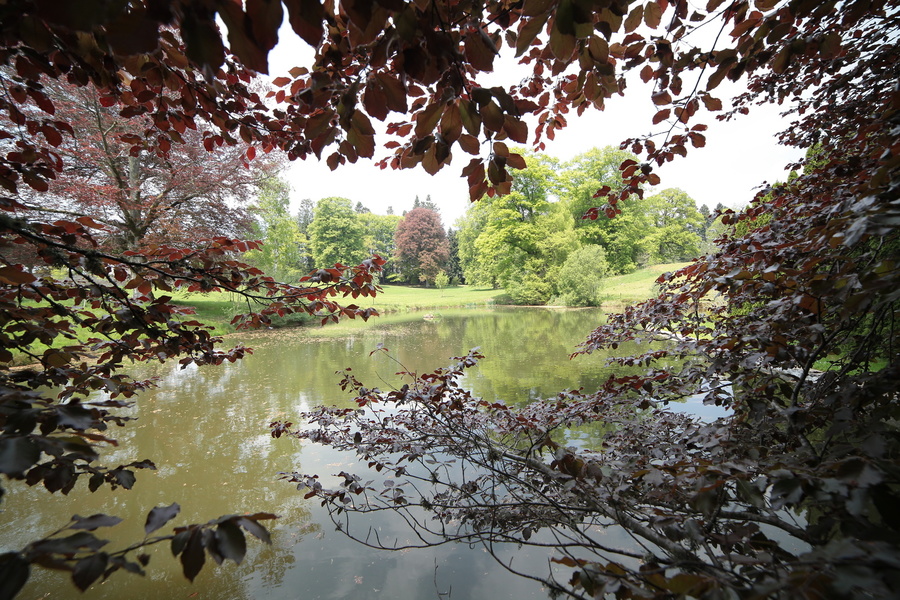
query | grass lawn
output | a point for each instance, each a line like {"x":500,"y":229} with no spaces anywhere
{"x":399,"y":298}
{"x":635,"y":287}
{"x":217,"y":309}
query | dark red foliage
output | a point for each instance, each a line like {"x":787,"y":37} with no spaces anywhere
{"x":422,"y":248}
{"x":811,"y":281}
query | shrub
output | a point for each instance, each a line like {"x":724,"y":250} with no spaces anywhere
{"x":581,"y":277}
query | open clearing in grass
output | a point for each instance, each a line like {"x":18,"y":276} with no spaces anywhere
{"x":217,"y":309}
{"x":634,"y":287}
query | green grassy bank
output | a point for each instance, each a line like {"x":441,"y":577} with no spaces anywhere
{"x":622,"y":290}
{"x":217,"y":309}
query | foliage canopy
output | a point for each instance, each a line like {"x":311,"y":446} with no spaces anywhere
{"x":818,"y":285}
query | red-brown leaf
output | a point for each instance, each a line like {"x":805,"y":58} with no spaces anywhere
{"x":307,"y":19}
{"x":427,"y":119}
{"x":661,"y":98}
{"x":661,"y":116}
{"x":634,"y":18}
{"x":652,"y":14}
{"x":479,"y":50}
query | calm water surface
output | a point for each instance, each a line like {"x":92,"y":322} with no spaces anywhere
{"x":206,"y":429}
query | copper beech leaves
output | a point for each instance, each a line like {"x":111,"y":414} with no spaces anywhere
{"x":125,"y":315}
{"x":803,"y":281}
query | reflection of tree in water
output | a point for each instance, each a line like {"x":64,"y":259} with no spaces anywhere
{"x":207,"y":428}
{"x":526,"y":354}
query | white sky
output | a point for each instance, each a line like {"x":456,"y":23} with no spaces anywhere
{"x":739,"y":155}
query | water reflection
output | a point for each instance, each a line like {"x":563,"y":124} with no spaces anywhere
{"x":206,"y":428}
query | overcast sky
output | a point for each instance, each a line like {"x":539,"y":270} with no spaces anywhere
{"x":739,"y":155}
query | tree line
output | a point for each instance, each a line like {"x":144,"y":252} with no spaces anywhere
{"x":537,"y":242}
{"x":540,"y":243}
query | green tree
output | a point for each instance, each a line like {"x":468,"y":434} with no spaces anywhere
{"x":427,"y":203}
{"x":621,"y":237}
{"x":441,"y":280}
{"x":581,"y":277}
{"x":379,"y":238}
{"x":336,"y":234}
{"x":676,"y":226}
{"x":281,"y":253}
{"x":476,"y":270}
{"x":305,"y":215}
{"x":707,"y":219}
{"x":519,"y":240}
{"x":454,"y":266}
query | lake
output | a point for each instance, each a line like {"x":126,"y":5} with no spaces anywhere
{"x":207,"y":431}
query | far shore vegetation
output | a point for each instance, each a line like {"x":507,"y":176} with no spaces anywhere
{"x":216,"y":309}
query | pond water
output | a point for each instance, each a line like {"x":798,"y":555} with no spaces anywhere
{"x":206,"y":429}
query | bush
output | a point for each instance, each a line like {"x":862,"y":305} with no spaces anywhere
{"x":581,"y":277}
{"x":441,"y":280}
{"x":529,"y":288}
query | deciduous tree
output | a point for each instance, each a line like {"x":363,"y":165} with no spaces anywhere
{"x":454,"y":266}
{"x":421,"y":245}
{"x":581,"y":277}
{"x":676,"y":226}
{"x":281,"y":254}
{"x":336,"y":234}
{"x":379,"y":239}
{"x":519,"y":240}
{"x":621,"y":237}
{"x":142,"y":193}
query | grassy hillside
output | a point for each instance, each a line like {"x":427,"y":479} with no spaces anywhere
{"x":217,"y":309}
{"x":634,"y":287}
